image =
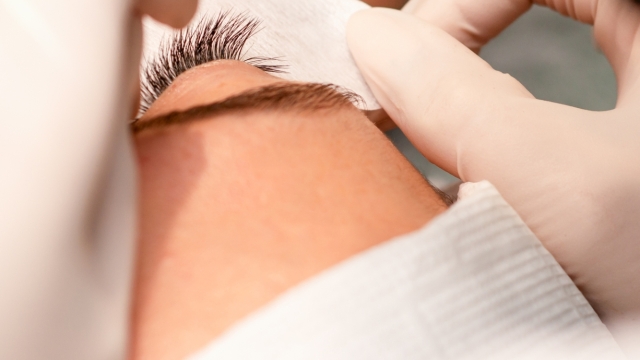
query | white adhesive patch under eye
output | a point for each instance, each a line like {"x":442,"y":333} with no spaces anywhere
{"x":309,"y":35}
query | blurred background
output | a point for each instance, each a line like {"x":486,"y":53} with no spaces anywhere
{"x":554,"y":57}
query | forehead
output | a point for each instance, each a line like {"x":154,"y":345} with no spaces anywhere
{"x":309,"y":35}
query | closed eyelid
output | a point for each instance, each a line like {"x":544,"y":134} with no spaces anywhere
{"x":210,"y":39}
{"x":207,"y":83}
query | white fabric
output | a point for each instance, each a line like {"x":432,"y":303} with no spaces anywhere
{"x":473,"y":284}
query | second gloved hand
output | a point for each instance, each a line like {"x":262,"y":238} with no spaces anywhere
{"x":572,"y":175}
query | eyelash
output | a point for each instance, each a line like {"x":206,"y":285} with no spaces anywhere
{"x":211,"y":39}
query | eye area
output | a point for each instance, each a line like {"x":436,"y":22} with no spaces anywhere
{"x":209,"y":39}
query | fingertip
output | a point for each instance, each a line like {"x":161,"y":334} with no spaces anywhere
{"x":364,"y":43}
{"x":380,"y":37}
{"x":363,"y":21}
{"x":387,"y":53}
{"x":429,"y":83}
{"x":174,"y":13}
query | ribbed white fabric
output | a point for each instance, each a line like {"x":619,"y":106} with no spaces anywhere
{"x":473,"y":284}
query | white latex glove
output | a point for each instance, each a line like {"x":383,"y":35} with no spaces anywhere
{"x":171,"y":12}
{"x":67,"y":175}
{"x":573,"y":175}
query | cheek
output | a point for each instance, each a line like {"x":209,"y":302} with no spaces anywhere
{"x":169,"y":164}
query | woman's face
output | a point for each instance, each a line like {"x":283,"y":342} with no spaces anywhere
{"x":249,"y":185}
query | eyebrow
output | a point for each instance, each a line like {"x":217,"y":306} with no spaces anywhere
{"x":279,"y":96}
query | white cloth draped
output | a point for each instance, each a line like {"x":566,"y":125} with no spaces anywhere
{"x":475,"y":283}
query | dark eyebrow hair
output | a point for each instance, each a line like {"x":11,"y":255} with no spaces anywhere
{"x":279,"y":96}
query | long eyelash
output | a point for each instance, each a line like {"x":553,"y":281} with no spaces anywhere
{"x":221,"y":38}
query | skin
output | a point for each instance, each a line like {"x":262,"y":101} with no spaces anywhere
{"x":237,"y":208}
{"x":149,"y":329}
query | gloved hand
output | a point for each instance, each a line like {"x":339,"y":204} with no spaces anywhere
{"x":572,"y":175}
{"x":171,"y":12}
